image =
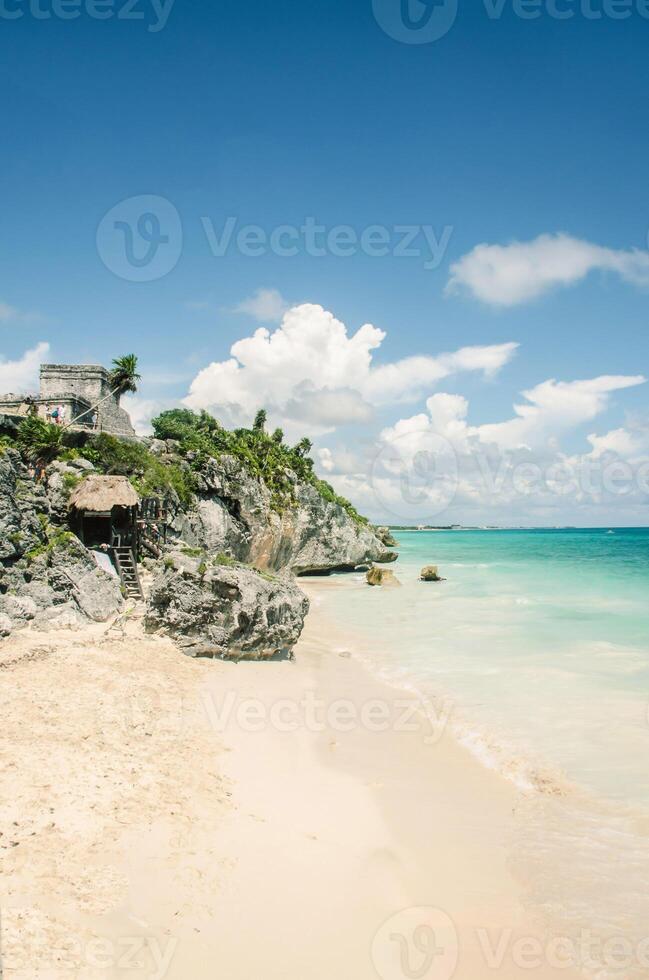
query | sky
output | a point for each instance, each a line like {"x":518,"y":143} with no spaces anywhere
{"x":415,"y":232}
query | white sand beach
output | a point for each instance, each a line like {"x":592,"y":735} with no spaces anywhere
{"x":168,"y":817}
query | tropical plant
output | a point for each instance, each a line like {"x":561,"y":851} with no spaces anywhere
{"x":150,"y":476}
{"x":38,"y":440}
{"x":265,"y":456}
{"x":303,"y":447}
{"x":259,"y":425}
{"x":122,"y":378}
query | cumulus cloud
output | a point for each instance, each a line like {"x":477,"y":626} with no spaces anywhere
{"x":142,"y":410}
{"x":21,"y":376}
{"x":436,"y":466}
{"x":508,"y":275}
{"x":311,"y":371}
{"x":553,"y":407}
{"x":266,"y":306}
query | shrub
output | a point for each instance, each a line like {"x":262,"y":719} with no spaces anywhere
{"x":266,"y":456}
{"x":38,"y":440}
{"x":148,"y":474}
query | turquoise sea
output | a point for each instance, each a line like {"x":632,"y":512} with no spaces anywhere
{"x":538,"y":641}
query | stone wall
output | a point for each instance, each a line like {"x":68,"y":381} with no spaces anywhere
{"x":89,"y":382}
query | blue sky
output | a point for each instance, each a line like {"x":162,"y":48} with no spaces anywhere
{"x":501,"y":131}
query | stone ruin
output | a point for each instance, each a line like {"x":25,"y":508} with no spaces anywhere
{"x":78,"y":388}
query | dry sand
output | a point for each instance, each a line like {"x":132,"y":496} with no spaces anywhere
{"x":163,"y":817}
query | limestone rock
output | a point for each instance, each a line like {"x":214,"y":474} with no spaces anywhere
{"x":385,"y":535}
{"x":234,"y":515}
{"x":225,"y":610}
{"x":386,"y":557}
{"x":61,"y":576}
{"x":44,"y":570}
{"x":382,"y":576}
{"x":430,"y":574}
{"x":21,"y":503}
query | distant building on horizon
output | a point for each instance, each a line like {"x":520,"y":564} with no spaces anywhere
{"x":77,"y":389}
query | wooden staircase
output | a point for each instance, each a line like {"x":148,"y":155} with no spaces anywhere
{"x":127,"y":568}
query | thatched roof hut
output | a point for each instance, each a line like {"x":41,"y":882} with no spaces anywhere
{"x":99,"y":494}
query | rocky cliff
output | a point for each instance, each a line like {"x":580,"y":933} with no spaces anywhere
{"x":233,"y":513}
{"x":223,"y":585}
{"x":47,"y":577}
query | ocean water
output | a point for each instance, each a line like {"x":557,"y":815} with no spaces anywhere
{"x":537,"y":644}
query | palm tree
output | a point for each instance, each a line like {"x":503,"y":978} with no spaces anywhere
{"x":303,"y":447}
{"x":260,"y":421}
{"x":122,"y":378}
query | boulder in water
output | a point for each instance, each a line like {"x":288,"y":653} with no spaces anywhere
{"x":381,"y":576}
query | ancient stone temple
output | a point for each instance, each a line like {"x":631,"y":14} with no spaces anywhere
{"x":83,"y":393}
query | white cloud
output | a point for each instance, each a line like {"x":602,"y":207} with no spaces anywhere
{"x":325,"y":458}
{"x":266,"y":306}
{"x":553,"y":407}
{"x":311,"y":373}
{"x":21,"y":376}
{"x":407,"y":379}
{"x":435,"y":466}
{"x":327,"y":407}
{"x":618,"y":441}
{"x":142,"y":410}
{"x":507,"y":275}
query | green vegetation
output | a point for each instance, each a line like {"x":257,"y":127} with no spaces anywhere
{"x":148,"y":474}
{"x":54,"y":538}
{"x":124,"y":376}
{"x":266,"y":456}
{"x":223,"y":559}
{"x":199,"y":437}
{"x":70,"y":481}
{"x":39,"y":441}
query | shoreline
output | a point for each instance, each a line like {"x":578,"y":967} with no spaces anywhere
{"x":206,"y":815}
